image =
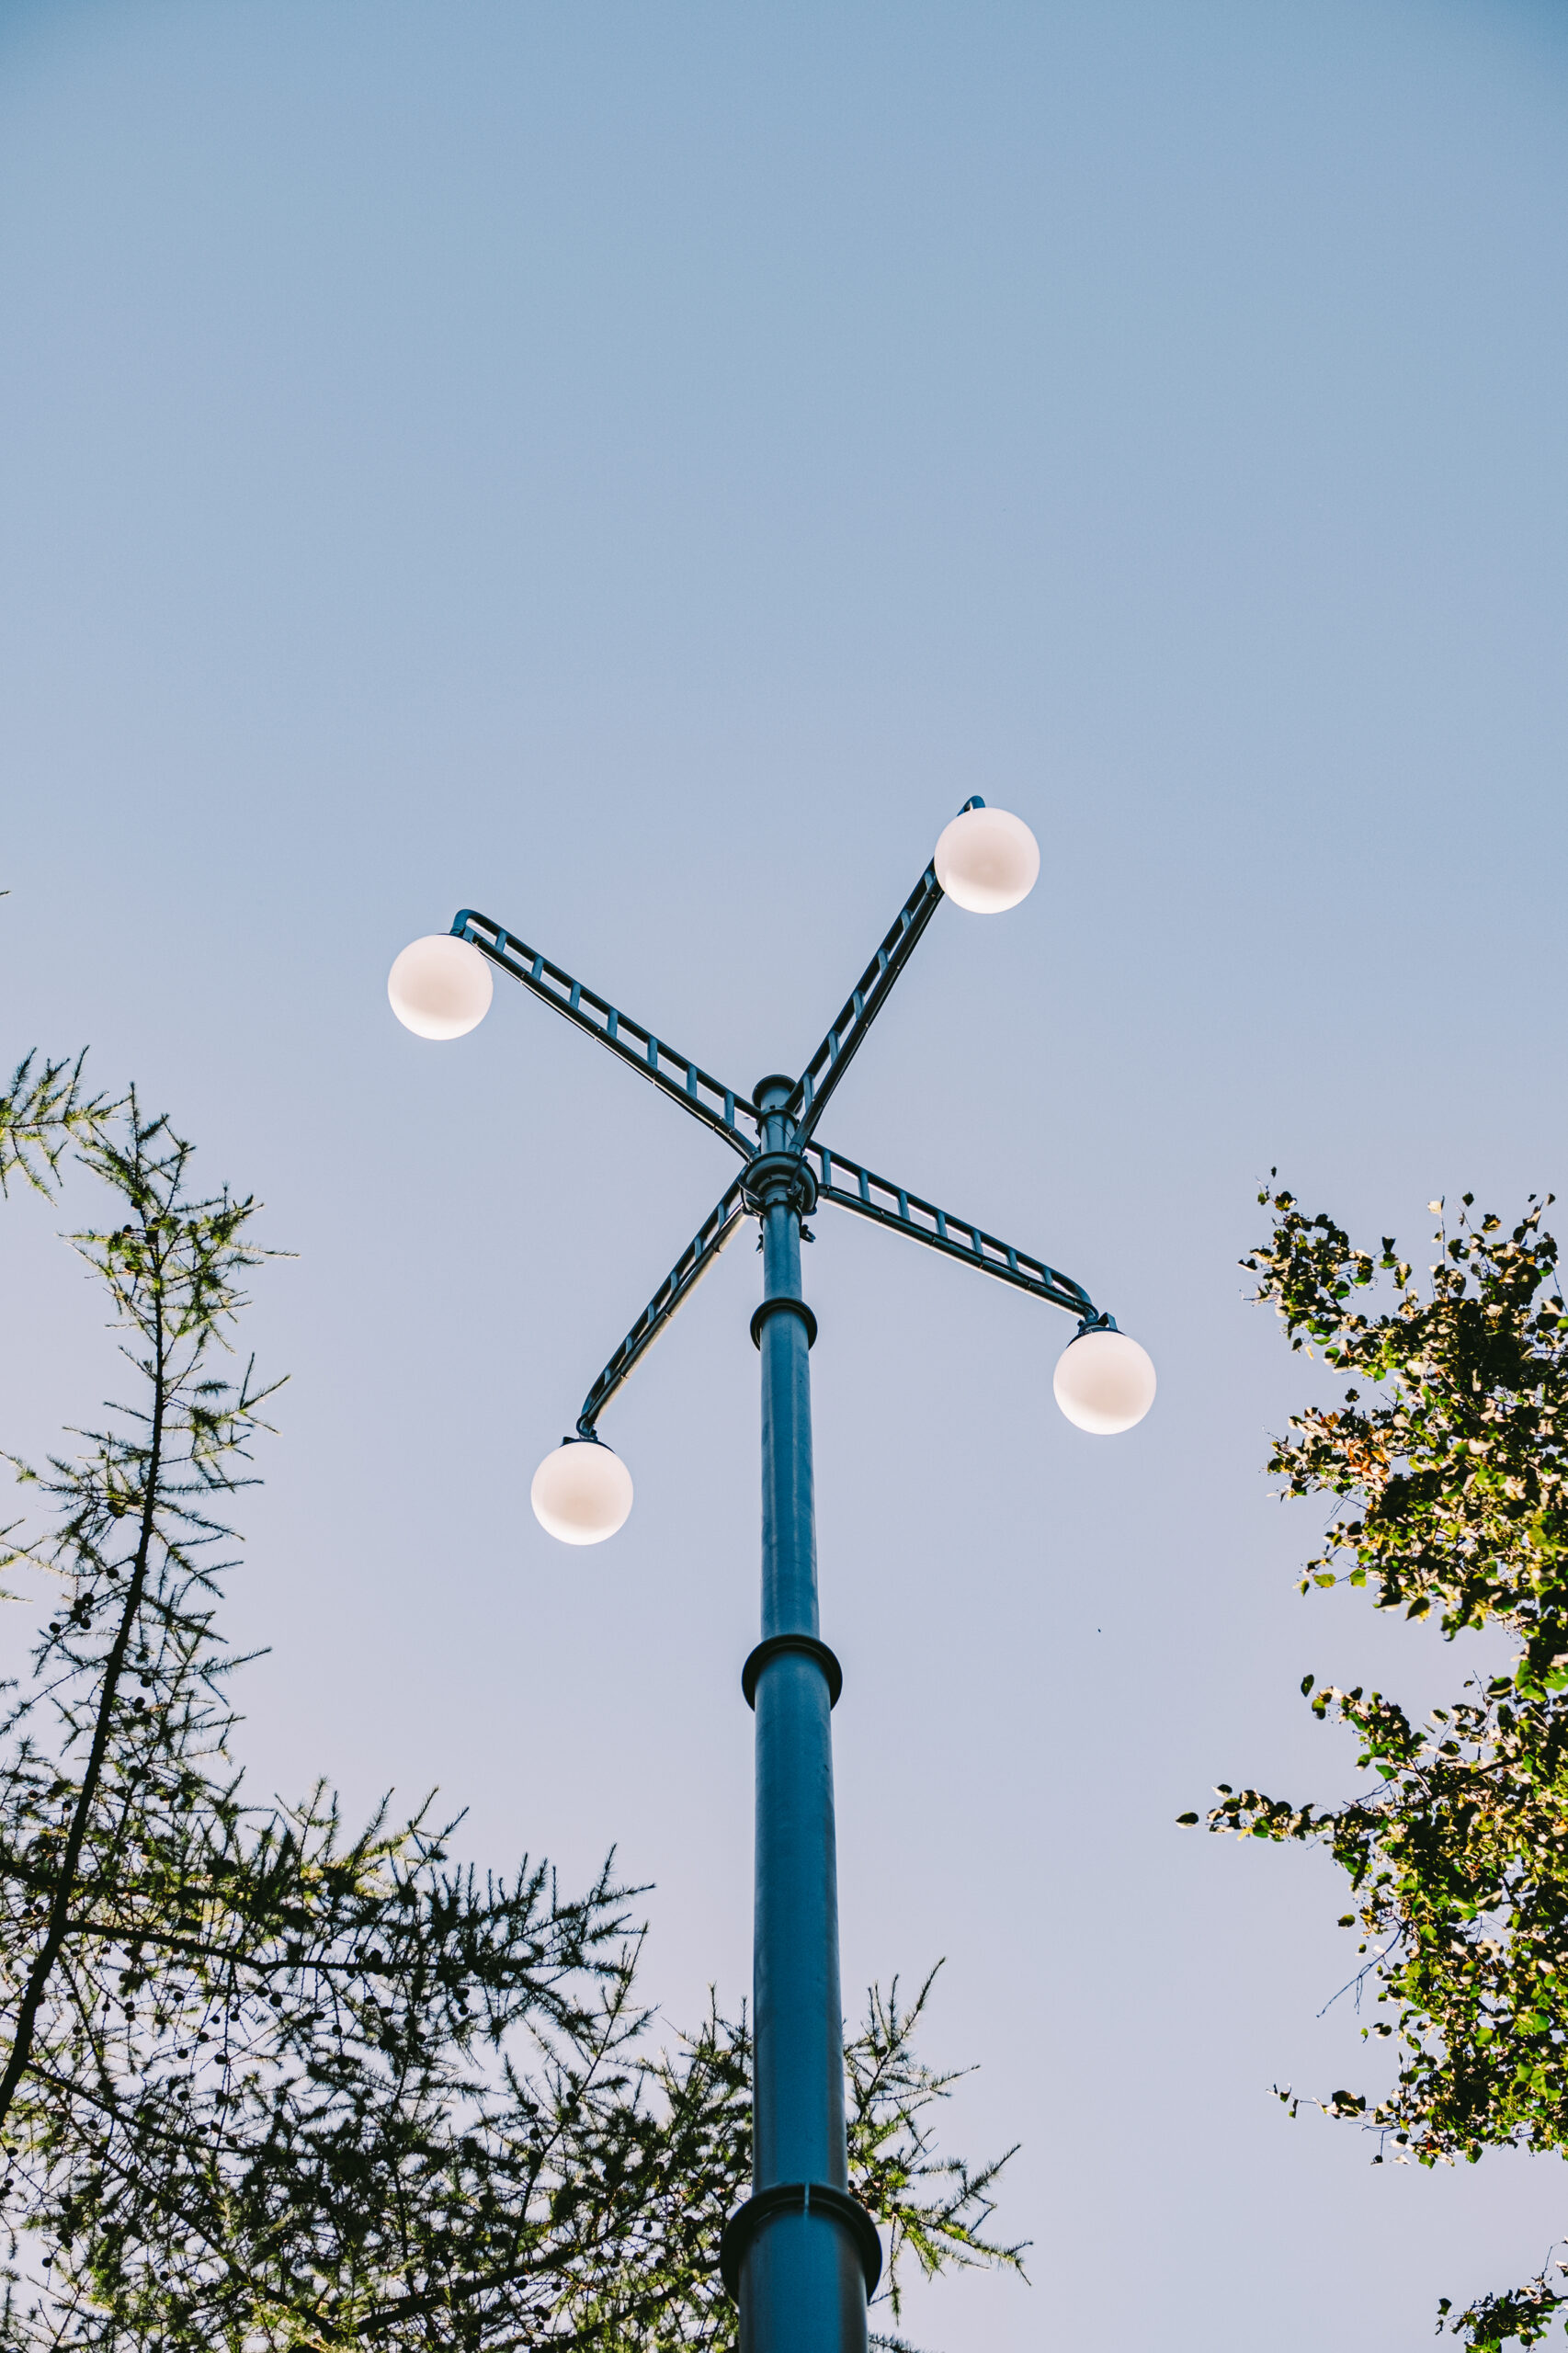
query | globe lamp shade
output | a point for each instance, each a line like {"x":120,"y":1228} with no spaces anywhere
{"x":987,"y":860}
{"x":1104,"y":1382}
{"x":582,"y":1493}
{"x":441,"y":988}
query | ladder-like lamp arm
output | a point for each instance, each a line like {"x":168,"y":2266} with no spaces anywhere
{"x":718,"y":1229}
{"x":894,"y":1206}
{"x":723,"y":1108}
{"x":816,"y":1083}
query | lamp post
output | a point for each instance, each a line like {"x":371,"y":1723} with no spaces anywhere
{"x":802,"y":2258}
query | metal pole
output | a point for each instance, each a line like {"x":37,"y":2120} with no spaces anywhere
{"x":801,"y":2254}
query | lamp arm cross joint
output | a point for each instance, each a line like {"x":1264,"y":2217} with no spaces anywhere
{"x":820,"y":1173}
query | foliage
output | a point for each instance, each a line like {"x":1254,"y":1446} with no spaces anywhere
{"x":1447,"y":1468}
{"x":688,"y":2130}
{"x":43,"y":1107}
{"x":272,"y":2084}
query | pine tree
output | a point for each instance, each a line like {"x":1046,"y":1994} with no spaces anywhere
{"x":271,"y":2084}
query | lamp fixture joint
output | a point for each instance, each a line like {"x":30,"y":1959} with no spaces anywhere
{"x":779,"y":1179}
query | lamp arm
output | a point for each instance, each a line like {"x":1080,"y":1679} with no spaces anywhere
{"x":718,"y":1229}
{"x":854,"y":1187}
{"x":865,"y":1000}
{"x":723,"y":1108}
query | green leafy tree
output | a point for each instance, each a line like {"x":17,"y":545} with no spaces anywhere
{"x":1447,"y":1464}
{"x":268,"y":2083}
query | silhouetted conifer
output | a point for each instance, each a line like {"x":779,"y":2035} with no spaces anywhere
{"x":268,"y":2083}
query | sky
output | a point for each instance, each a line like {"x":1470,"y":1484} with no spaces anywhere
{"x":636,"y":471}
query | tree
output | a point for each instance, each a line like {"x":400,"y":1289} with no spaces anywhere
{"x":1448,"y":1464}
{"x":271,"y":2084}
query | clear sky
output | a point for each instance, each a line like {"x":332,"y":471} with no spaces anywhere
{"x":636,"y":471}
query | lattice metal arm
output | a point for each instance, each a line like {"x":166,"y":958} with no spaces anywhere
{"x":854,"y":1187}
{"x":718,"y":1229}
{"x":728,"y":1113}
{"x":865,"y":1000}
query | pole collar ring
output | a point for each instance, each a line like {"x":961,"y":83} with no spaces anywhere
{"x":776,"y":1646}
{"x":799,"y":2198}
{"x":777,"y":1307}
{"x":772,"y":1176}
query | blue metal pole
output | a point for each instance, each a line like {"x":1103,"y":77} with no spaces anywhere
{"x":801,"y":2255}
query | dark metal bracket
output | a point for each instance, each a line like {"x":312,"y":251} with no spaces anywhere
{"x":799,"y":2198}
{"x":780,"y":1176}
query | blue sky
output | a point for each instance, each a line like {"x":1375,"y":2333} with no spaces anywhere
{"x":637,"y":471}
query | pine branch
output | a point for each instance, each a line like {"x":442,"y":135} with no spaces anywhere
{"x":44,"y":1108}
{"x":275,"y":2083}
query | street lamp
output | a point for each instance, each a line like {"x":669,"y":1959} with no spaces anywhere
{"x":441,"y":988}
{"x":802,"y":2257}
{"x":582,"y":1493}
{"x":986,"y":860}
{"x":1104,"y":1382}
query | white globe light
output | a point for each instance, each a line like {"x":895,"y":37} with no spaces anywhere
{"x":987,"y":860}
{"x":582,"y":1493}
{"x":441,"y":988}
{"x":1104,"y":1382}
